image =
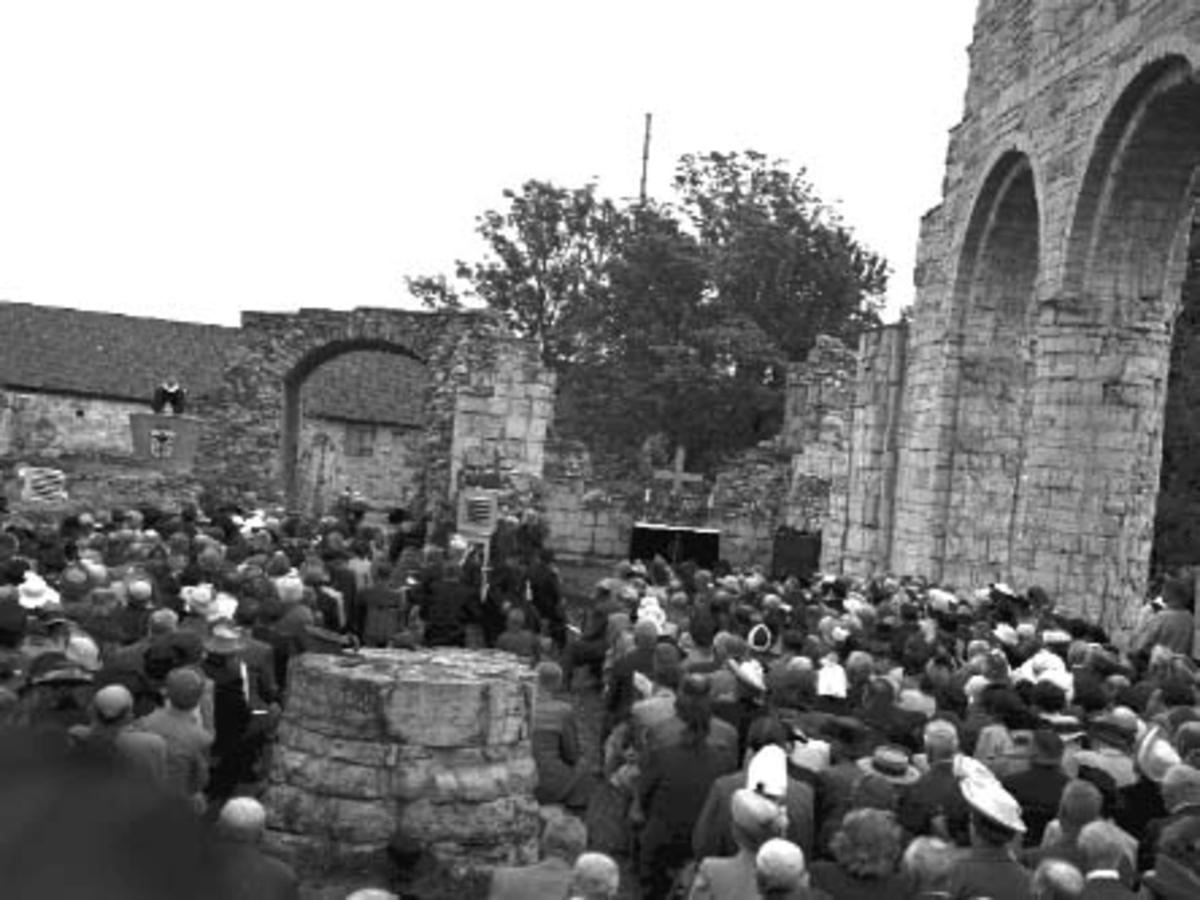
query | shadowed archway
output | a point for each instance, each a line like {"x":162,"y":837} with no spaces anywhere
{"x":995,"y":294}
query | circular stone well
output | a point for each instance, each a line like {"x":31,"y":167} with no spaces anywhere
{"x":433,"y":745}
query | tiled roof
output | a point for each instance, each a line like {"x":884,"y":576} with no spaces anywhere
{"x":107,"y":355}
{"x":72,"y":351}
{"x":367,"y":386}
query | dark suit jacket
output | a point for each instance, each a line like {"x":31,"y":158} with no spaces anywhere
{"x":250,"y":874}
{"x":548,"y":880}
{"x":989,"y":872}
{"x":673,"y":786}
{"x":620,"y":687}
{"x":1106,"y":889}
{"x":936,"y":793}
{"x":1039,"y":790}
{"x":259,"y":657}
{"x":713,"y":832}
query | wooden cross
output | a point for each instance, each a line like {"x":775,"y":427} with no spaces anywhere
{"x":676,"y":475}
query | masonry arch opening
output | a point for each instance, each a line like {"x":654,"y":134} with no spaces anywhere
{"x":354,"y":416}
{"x":1132,"y":260}
{"x":995,"y":295}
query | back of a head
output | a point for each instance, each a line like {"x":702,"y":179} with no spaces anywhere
{"x":596,"y":877}
{"x":667,"y":665}
{"x":779,"y":868}
{"x":941,"y":740}
{"x":868,"y":843}
{"x":549,"y":676}
{"x":928,"y":862}
{"x":766,"y":730}
{"x":1181,"y":787}
{"x":112,"y":704}
{"x":1081,"y":804}
{"x":1057,"y":879}
{"x":242,"y":819}
{"x":162,"y":621}
{"x":1102,"y":845}
{"x":564,"y":837}
{"x":756,"y":819}
{"x":185,"y":688}
{"x":645,"y":634}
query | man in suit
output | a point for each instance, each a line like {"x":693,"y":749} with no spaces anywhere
{"x":563,"y":840}
{"x":1039,"y":788}
{"x":1103,"y":848}
{"x":712,"y":834}
{"x":934,"y":805}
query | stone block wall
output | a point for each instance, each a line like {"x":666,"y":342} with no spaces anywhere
{"x":432,"y":747}
{"x":51,"y":425}
{"x":876,"y":415}
{"x":817,"y":431}
{"x":1047,"y":283}
{"x":388,"y":476}
{"x":502,"y":411}
{"x":800,"y":479}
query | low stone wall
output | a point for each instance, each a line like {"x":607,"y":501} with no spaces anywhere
{"x":431,"y":745}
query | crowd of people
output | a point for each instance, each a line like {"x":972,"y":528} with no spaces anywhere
{"x":845,"y":739}
{"x":823,"y":738}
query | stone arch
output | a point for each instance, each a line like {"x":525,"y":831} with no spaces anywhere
{"x":994,"y":296}
{"x":293,"y":384}
{"x":1123,"y":274}
{"x":1121,"y":255}
{"x":251,"y":445}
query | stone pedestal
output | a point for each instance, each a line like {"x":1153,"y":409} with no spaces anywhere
{"x":165,"y":442}
{"x":433,"y":745}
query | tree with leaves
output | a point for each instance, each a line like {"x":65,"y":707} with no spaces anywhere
{"x":677,"y":318}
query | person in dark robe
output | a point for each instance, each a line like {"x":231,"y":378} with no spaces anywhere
{"x":447,"y":607}
{"x":169,"y":394}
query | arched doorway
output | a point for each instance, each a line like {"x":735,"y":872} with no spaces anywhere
{"x":1126,"y":264}
{"x":995,"y":295}
{"x":354,"y":418}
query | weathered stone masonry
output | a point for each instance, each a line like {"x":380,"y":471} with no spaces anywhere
{"x":479,"y":376}
{"x":1029,"y":441}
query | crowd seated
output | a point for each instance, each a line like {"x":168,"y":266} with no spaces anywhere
{"x":834,"y":737}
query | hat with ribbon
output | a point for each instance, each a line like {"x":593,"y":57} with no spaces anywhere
{"x":892,"y":763}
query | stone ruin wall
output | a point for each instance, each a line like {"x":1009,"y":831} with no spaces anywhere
{"x":1028,"y":446}
{"x":429,"y":750}
{"x":800,"y":479}
{"x":486,"y":401}
{"x":502,"y":412}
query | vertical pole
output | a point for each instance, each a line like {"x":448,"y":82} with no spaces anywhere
{"x":645,"y":158}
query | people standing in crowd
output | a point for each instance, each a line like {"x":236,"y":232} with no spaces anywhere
{"x":982,"y":735}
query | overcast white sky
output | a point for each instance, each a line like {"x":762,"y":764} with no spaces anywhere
{"x":196,"y":160}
